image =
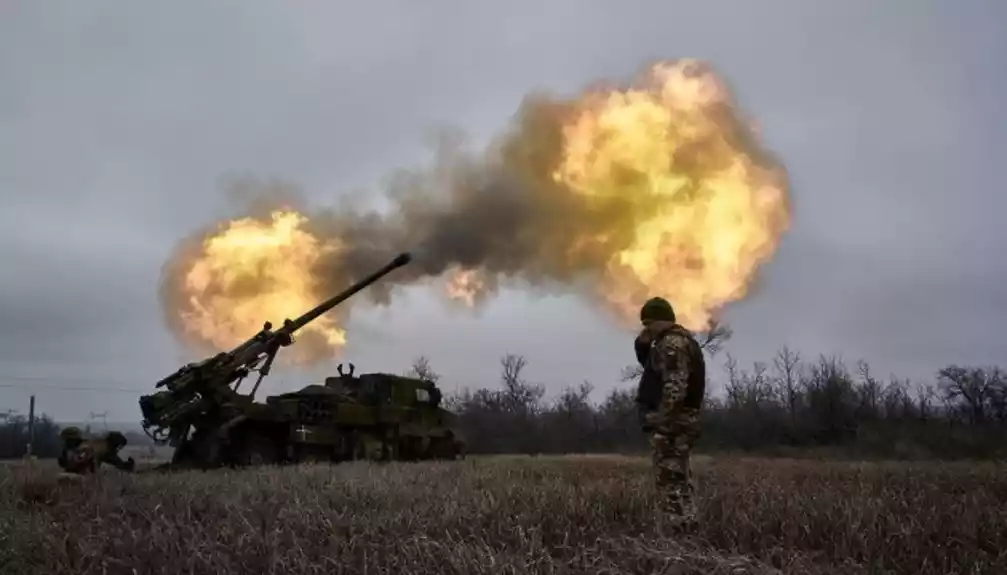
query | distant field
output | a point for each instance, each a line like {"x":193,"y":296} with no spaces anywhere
{"x":583,"y":514}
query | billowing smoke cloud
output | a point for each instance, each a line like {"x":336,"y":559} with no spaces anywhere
{"x":657,"y":188}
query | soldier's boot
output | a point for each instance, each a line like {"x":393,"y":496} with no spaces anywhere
{"x":675,"y":525}
{"x":677,"y":516}
{"x":684,"y":525}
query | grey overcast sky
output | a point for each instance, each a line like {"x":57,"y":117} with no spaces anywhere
{"x":119,"y":121}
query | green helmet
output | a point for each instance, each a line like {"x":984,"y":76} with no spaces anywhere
{"x":70,"y":433}
{"x":657,"y":309}
{"x":115,"y":439}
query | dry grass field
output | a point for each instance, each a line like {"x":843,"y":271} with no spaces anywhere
{"x":507,"y":515}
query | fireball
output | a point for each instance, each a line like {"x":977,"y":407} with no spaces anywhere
{"x":465,"y":286}
{"x":704,"y":212}
{"x":249,"y":271}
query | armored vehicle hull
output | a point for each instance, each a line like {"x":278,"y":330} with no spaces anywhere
{"x":374,"y":416}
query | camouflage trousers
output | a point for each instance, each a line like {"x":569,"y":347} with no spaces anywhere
{"x":672,"y":443}
{"x":88,"y":456}
{"x":78,"y":460}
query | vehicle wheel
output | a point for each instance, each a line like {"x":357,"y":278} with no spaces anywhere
{"x":258,"y":449}
{"x":360,"y":448}
{"x":369,"y":448}
{"x":313,"y":455}
{"x":198,"y":452}
{"x":443,"y":448}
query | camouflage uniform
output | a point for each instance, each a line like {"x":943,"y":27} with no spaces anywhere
{"x":82,"y":456}
{"x":673,"y":362}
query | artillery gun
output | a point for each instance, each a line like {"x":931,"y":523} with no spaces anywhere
{"x":210,"y":423}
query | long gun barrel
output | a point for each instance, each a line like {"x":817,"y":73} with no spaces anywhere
{"x":399,"y":261}
{"x":196,"y":387}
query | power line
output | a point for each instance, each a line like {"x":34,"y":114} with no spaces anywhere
{"x":68,"y":384}
{"x":65,"y":379}
{"x":32,"y":383}
{"x":73,"y":388}
{"x":103,"y":416}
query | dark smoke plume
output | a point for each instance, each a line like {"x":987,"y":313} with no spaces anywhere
{"x":500,"y":212}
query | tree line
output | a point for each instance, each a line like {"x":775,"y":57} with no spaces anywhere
{"x":14,"y":436}
{"x":46,"y":443}
{"x":788,"y":405}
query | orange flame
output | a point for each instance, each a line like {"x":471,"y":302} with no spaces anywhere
{"x":251,"y":271}
{"x":696,"y":240}
{"x":466,"y":286}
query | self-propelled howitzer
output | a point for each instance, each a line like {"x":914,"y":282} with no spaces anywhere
{"x":200,"y":410}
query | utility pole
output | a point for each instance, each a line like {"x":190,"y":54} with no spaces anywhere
{"x":103,"y":416}
{"x":31,"y":425}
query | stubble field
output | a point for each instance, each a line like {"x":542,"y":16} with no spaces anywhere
{"x":508,"y":515}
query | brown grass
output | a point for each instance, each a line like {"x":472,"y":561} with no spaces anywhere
{"x":508,"y":515}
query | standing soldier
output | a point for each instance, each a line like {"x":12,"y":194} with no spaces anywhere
{"x":670,"y":397}
{"x":82,"y":456}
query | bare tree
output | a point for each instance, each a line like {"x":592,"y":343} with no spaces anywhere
{"x":830,"y":392}
{"x":575,"y":418}
{"x":421,"y":370}
{"x":631,"y":372}
{"x":787,"y":363}
{"x":521,"y":400}
{"x":521,"y":396}
{"x":735,"y":382}
{"x":925,"y":395}
{"x":716,"y":335}
{"x":870,"y":390}
{"x":998,"y":394}
{"x":760,"y":391}
{"x":972,"y":386}
{"x":511,"y":366}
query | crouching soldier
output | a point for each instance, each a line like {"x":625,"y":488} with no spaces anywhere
{"x":71,"y":438}
{"x":83,"y":456}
